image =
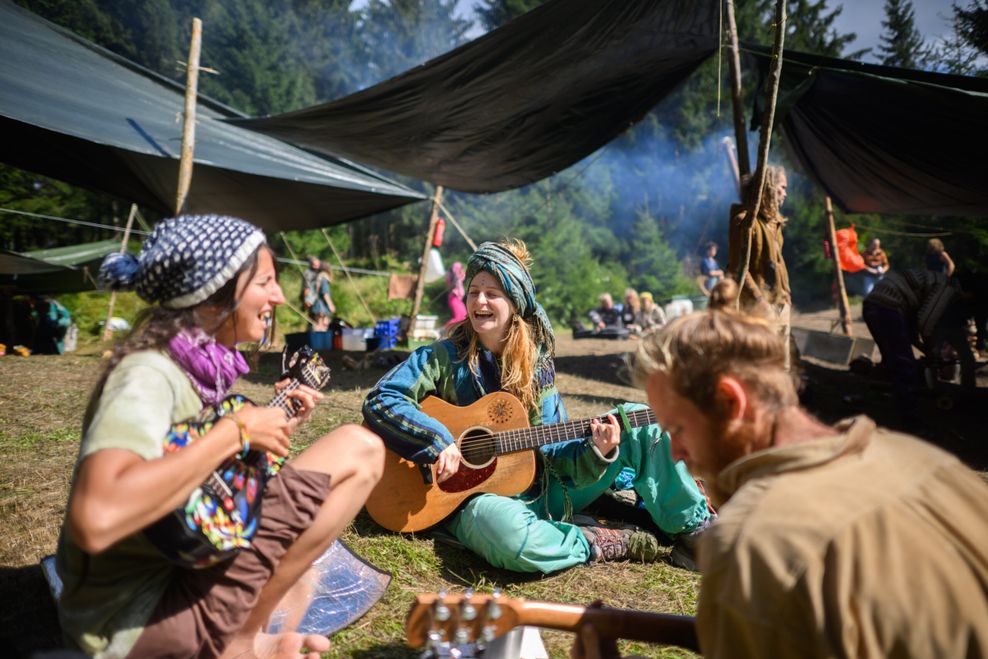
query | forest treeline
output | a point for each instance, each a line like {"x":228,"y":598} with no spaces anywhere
{"x":636,"y":213}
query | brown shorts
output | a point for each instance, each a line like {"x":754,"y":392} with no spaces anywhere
{"x":202,"y":609}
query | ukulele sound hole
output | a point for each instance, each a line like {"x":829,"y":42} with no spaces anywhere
{"x":477,"y":446}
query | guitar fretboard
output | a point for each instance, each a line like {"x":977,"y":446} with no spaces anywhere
{"x":511,"y":441}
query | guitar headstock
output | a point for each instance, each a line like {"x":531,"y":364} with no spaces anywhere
{"x":306,"y":366}
{"x":440,"y":621}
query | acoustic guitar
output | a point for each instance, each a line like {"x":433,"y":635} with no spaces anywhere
{"x":497,"y":445}
{"x":441,"y":622}
{"x":220,"y":517}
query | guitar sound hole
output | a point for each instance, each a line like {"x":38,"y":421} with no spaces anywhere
{"x":477,"y":446}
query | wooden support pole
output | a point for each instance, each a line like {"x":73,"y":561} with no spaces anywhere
{"x":449,"y":216}
{"x":740,"y":135}
{"x":107,"y":332}
{"x":437,"y":200}
{"x":753,"y":204}
{"x":189,"y":122}
{"x":842,"y":305}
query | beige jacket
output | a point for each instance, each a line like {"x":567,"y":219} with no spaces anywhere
{"x":866,"y":544}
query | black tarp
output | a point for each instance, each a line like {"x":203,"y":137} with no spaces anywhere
{"x":882,"y":139}
{"x":74,"y":111}
{"x":520,"y":103}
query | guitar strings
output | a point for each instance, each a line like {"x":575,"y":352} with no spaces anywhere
{"x":477,"y":447}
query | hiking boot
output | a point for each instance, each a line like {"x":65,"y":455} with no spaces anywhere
{"x":616,"y":544}
{"x":683,"y":554}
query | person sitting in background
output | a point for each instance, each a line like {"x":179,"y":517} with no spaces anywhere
{"x":827,"y":537}
{"x":630,"y":311}
{"x":651,"y":317}
{"x":710,"y":269}
{"x":606,"y":315}
{"x":876,"y":265}
{"x":937,"y":258}
{"x":53,"y":322}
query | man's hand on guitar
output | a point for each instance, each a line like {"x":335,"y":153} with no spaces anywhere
{"x":590,"y":645}
{"x":267,"y":427}
{"x":448,"y":462}
{"x":606,"y":436}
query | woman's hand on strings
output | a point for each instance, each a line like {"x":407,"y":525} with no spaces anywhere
{"x":606,"y":436}
{"x":448,"y":462}
{"x":306,"y":398}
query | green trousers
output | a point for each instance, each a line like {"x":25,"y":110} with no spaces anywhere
{"x":524,"y":536}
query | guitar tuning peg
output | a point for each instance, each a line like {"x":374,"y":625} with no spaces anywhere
{"x":468,"y":611}
{"x":462,"y":636}
{"x":488,"y":633}
{"x":493,"y":608}
{"x":440,"y":611}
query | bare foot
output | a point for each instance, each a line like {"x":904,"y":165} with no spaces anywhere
{"x":277,"y":646}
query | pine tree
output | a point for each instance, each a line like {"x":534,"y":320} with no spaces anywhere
{"x":901,"y":44}
{"x":495,"y":13}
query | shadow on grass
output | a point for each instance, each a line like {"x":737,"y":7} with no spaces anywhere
{"x":28,"y":619}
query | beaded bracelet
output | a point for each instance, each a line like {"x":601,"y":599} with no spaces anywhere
{"x":244,"y":435}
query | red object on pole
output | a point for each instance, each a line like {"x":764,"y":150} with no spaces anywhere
{"x":826,"y":249}
{"x":437,"y":236}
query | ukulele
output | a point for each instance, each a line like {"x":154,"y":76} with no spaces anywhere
{"x":441,"y":623}
{"x":497,"y":445}
{"x":221,"y":515}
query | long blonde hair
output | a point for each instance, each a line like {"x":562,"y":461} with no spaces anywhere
{"x":520,"y":355}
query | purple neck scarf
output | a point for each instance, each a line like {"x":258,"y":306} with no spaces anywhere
{"x":211,"y":367}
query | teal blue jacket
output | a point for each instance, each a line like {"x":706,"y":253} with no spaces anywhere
{"x":391,"y":409}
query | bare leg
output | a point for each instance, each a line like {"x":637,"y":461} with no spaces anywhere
{"x":353,"y":457}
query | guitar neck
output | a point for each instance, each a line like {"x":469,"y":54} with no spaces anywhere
{"x":661,"y":628}
{"x":523,"y":439}
{"x":281,"y":400}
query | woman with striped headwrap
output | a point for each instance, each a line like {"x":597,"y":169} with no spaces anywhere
{"x":506,"y":344}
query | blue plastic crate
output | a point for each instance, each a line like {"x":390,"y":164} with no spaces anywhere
{"x":315,"y":340}
{"x":387,"y":327}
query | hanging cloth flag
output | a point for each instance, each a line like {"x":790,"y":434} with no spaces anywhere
{"x":847,"y":250}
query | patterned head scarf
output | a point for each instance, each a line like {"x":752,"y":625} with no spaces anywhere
{"x":184,"y":261}
{"x":517,"y":283}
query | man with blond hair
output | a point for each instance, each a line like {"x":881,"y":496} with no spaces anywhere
{"x":832,"y":541}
